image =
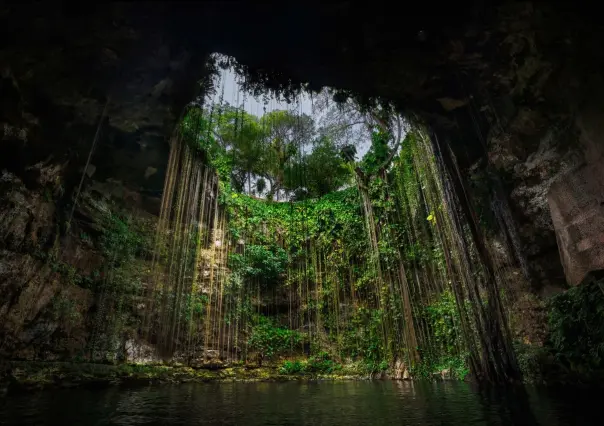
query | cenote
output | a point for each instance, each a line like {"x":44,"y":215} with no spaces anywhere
{"x":230,"y":213}
{"x":341,"y":403}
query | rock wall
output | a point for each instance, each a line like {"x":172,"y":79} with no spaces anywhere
{"x":577,"y":206}
{"x":576,"y":203}
{"x":74,"y":84}
{"x":551,"y":187}
{"x":42,"y":312}
{"x":531,"y":119}
{"x":54,"y":265}
{"x":516,"y":85}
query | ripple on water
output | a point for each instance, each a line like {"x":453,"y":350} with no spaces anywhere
{"x":325,"y":403}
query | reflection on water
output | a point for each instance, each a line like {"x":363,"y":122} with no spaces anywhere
{"x":324,"y":403}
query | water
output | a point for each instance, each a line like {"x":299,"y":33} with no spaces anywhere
{"x":325,"y":403}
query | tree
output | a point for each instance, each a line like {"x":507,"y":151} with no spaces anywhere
{"x":350,"y":124}
{"x":279,"y":152}
{"x":244,"y":138}
{"x":287,"y":135}
{"x":326,"y":169}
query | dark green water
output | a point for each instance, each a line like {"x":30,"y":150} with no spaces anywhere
{"x":325,"y":403}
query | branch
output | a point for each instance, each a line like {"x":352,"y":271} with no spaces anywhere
{"x":396,"y":147}
{"x":222,"y":142}
{"x":361,"y":177}
{"x":386,"y":163}
{"x":379,"y":122}
{"x":345,"y":126}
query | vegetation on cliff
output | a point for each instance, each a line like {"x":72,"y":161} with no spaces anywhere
{"x":279,"y":247}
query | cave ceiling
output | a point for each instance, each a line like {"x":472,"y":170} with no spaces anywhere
{"x":61,"y":63}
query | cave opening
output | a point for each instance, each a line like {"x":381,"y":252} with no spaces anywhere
{"x":318,"y":222}
{"x":417,"y":202}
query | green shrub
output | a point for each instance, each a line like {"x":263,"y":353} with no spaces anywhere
{"x":442,"y":316}
{"x":576,"y":327}
{"x":292,"y":367}
{"x":321,"y":364}
{"x":446,"y":349}
{"x":265,"y":262}
{"x":532,"y":360}
{"x":364,"y":340}
{"x":429,"y":365}
{"x":317,"y":364}
{"x":271,"y":340}
{"x":125,"y":238}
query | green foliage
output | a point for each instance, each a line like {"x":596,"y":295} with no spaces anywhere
{"x":196,"y":305}
{"x":576,"y":326}
{"x":125,"y":238}
{"x":292,"y":367}
{"x":363,"y":340}
{"x":378,"y":152}
{"x":321,"y":171}
{"x":69,"y":273}
{"x":348,"y":153}
{"x":443,"y":318}
{"x":334,"y":224}
{"x":124,"y":242}
{"x":453,"y":366}
{"x":194,"y":129}
{"x":264,"y":263}
{"x":343,"y":256}
{"x":321,"y":364}
{"x":446,"y":352}
{"x":574,"y":348}
{"x":265,"y":155}
{"x":318,"y":364}
{"x":271,"y":340}
{"x":532,"y":361}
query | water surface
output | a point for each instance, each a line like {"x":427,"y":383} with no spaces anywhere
{"x":292,"y":403}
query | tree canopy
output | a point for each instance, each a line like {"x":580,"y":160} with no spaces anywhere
{"x":287,"y":155}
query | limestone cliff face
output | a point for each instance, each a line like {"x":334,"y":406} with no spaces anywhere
{"x":534,"y":118}
{"x":540,"y":174}
{"x":517,"y":88}
{"x":576,"y":203}
{"x":67,"y":75}
{"x":57,"y":271}
{"x":42,"y":311}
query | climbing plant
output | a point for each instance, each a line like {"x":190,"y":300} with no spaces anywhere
{"x":282,"y":242}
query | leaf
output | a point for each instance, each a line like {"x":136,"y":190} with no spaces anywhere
{"x":430,"y":217}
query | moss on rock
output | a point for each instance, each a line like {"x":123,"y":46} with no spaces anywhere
{"x":32,"y":376}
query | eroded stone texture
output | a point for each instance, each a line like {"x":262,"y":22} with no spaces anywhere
{"x":577,"y":207}
{"x":520,"y":71}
